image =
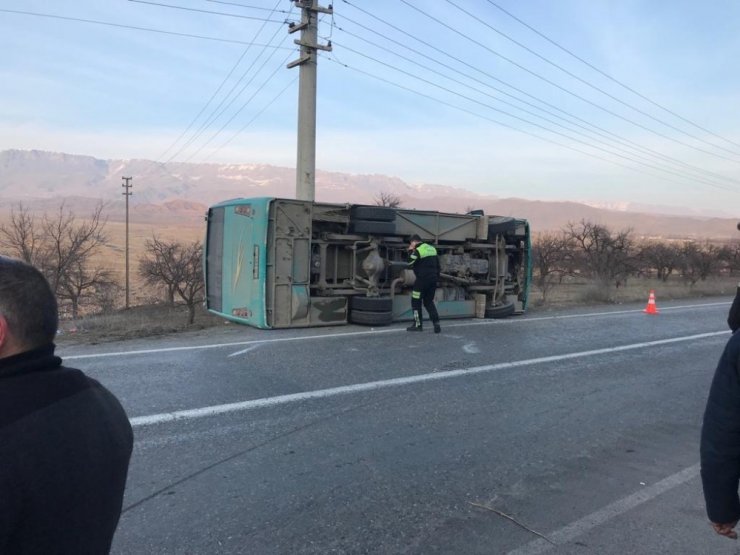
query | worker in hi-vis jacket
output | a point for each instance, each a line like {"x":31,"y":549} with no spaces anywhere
{"x":425,"y":264}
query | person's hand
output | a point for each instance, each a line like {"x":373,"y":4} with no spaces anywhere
{"x":726,"y":529}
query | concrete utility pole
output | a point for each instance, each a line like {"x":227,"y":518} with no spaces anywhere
{"x":127,"y":193}
{"x":305,"y":186}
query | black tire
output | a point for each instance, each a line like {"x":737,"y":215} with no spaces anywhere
{"x":500,"y":311}
{"x":374,"y":213}
{"x":374,"y":228}
{"x":371,"y":304}
{"x":371,"y":318}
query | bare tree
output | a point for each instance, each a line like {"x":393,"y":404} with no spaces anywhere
{"x":177,"y":268}
{"x":160,"y":267}
{"x":548,"y":253}
{"x":730,"y":256}
{"x":69,"y":244}
{"x":80,"y":283}
{"x":698,"y":262}
{"x":390,"y":200}
{"x":605,"y":256}
{"x":62,"y":247}
{"x":192,"y":286}
{"x":664,"y":258}
{"x":22,"y":236}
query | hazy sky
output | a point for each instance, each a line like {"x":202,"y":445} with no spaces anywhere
{"x":430,"y":96}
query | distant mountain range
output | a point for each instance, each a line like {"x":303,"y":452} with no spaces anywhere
{"x":179,"y":193}
{"x":658,"y":209}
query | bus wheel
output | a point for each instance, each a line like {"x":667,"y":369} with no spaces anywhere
{"x":371,"y":318}
{"x":371,"y":304}
{"x":376,"y":213}
{"x":500,"y":311}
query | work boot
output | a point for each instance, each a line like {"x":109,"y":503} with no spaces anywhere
{"x":416,"y":326}
{"x":437,"y":328}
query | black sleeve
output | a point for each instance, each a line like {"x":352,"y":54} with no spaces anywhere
{"x":413,"y":257}
{"x":720,"y":439}
{"x":733,"y":318}
{"x":10,"y":500}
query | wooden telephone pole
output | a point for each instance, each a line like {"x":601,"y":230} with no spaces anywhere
{"x":127,"y":193}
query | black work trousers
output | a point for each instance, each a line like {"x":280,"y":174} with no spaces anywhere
{"x":423,"y":293}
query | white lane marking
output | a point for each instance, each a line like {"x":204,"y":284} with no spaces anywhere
{"x":374,"y":332}
{"x":394,"y":382}
{"x":470,"y":348}
{"x":243,"y":351}
{"x":609,"y":312}
{"x":234,"y":344}
{"x":579,"y":527}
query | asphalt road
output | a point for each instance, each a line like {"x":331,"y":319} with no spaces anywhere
{"x":581,"y":426}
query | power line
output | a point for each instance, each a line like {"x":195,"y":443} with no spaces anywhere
{"x":207,"y":11}
{"x":422,"y":41}
{"x":213,"y":116}
{"x":445,"y":89}
{"x":613,"y":79}
{"x":218,"y":89}
{"x":428,"y":82}
{"x":262,"y":86}
{"x":584,"y":81}
{"x":258,"y":114}
{"x":481,"y":116}
{"x":133,"y":27}
{"x":272,"y":10}
{"x":268,"y":46}
{"x":615,"y":114}
{"x":605,"y":134}
{"x":602,"y":132}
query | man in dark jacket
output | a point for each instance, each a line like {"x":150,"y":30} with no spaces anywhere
{"x":425,"y":263}
{"x":65,"y":441}
{"x":733,"y":317}
{"x":720,"y":443}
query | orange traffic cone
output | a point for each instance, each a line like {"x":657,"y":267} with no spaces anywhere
{"x":651,"y":308}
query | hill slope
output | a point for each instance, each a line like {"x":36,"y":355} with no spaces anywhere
{"x":179,"y":193}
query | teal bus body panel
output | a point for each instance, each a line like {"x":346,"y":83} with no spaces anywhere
{"x":244,"y":275}
{"x":446,"y":309}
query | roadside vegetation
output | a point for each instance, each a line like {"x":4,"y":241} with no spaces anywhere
{"x":68,"y":249}
{"x":590,"y":263}
{"x":585,"y":263}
